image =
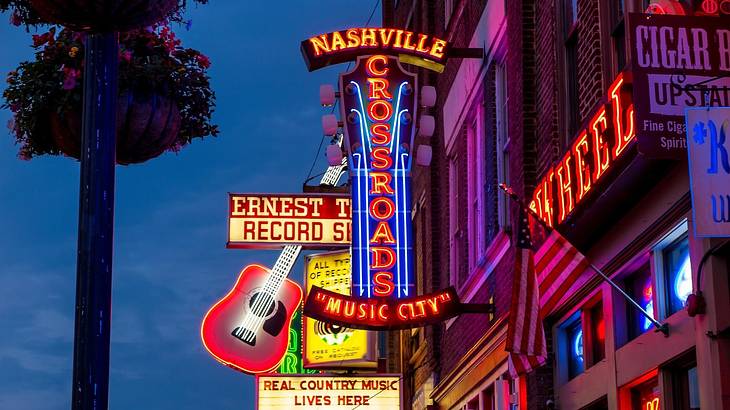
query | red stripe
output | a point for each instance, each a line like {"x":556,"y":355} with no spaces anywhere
{"x":558,"y":272}
{"x":564,"y":287}
{"x":542,"y":262}
{"x":511,"y":326}
{"x":530,"y":302}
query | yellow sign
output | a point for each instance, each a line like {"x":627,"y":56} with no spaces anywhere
{"x":327,"y":345}
{"x":327,"y":392}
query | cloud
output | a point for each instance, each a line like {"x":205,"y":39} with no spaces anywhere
{"x":36,"y":399}
{"x":37,"y":360}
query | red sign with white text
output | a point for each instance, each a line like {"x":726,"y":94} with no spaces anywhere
{"x":382,"y":313}
{"x":607,"y":137}
{"x":315,"y":221}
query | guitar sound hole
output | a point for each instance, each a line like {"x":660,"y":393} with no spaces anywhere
{"x":262,"y":304}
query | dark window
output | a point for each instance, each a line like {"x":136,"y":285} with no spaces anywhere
{"x":677,"y":274}
{"x":646,"y":395}
{"x":574,"y":346}
{"x":570,"y":18}
{"x":598,"y":333}
{"x":600,"y":404}
{"x":618,"y":34}
{"x":685,"y":387}
{"x":639,"y":286}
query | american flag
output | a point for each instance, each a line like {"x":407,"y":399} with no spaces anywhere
{"x":525,"y":332}
{"x":558,"y":265}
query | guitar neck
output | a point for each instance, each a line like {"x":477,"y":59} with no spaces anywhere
{"x":289,"y":254}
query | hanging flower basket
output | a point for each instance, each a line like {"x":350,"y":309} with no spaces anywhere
{"x":165,"y":100}
{"x":147,"y":126}
{"x":104,"y":15}
{"x":95,"y":15}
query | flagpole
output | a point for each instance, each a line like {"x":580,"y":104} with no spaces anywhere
{"x":660,"y":327}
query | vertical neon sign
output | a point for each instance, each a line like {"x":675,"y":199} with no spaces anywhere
{"x":379,"y":105}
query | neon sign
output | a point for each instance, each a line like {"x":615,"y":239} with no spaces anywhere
{"x":328,"y":345}
{"x":379,"y":104}
{"x":345,"y":45}
{"x":275,"y":220}
{"x":608,"y":135}
{"x":292,"y":362}
{"x":379,"y":313}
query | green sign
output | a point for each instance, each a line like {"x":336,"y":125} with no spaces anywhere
{"x":292,"y":362}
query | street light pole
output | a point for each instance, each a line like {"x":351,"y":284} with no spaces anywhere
{"x":96,"y":224}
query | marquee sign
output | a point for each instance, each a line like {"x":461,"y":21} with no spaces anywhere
{"x":380,"y":314}
{"x":328,"y":392}
{"x":315,"y":221}
{"x":379,"y":104}
{"x":679,"y":62}
{"x":597,"y":148}
{"x":346,"y":45}
{"x":328,"y":345}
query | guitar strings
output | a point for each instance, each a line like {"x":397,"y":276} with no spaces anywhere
{"x":252,"y":321}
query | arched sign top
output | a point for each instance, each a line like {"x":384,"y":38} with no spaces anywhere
{"x":346,"y":45}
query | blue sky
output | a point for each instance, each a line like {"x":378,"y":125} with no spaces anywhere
{"x":170,"y":258}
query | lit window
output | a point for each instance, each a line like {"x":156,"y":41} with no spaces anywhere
{"x":646,"y":395}
{"x":677,"y":274}
{"x":641,"y":289}
{"x":574,"y":345}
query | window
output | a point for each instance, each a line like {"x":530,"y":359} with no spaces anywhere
{"x":673,"y":270}
{"x":448,"y":10}
{"x":476,"y":175}
{"x":570,"y":19}
{"x":597,"y":331}
{"x":600,"y":404}
{"x":645,"y":396}
{"x":640,"y":288}
{"x":581,"y":340}
{"x":458,"y":218}
{"x":618,"y":35}
{"x":685,"y":389}
{"x":677,"y":274}
{"x":502,"y":143}
{"x":574,"y":346}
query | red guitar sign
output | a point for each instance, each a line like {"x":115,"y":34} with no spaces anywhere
{"x":248,"y":329}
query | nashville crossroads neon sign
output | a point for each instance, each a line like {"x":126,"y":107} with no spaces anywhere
{"x":609,"y":134}
{"x":379,"y":104}
{"x":345,"y":45}
{"x":378,"y":313}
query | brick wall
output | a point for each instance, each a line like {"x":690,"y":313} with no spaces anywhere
{"x":590,"y":86}
{"x":547,"y":82}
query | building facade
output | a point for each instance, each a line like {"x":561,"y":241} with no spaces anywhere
{"x":555,"y":73}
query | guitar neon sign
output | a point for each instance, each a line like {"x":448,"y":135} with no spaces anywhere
{"x":379,"y":104}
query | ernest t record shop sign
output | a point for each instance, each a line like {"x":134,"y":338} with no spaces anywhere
{"x":275,"y":220}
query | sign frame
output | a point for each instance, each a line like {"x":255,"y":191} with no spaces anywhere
{"x":332,"y":375}
{"x":369,"y":360}
{"x":273,"y":245}
{"x":702,"y":227}
{"x":665,"y":137}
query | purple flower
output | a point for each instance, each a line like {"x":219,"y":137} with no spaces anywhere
{"x":16,"y":19}
{"x":70,"y":77}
